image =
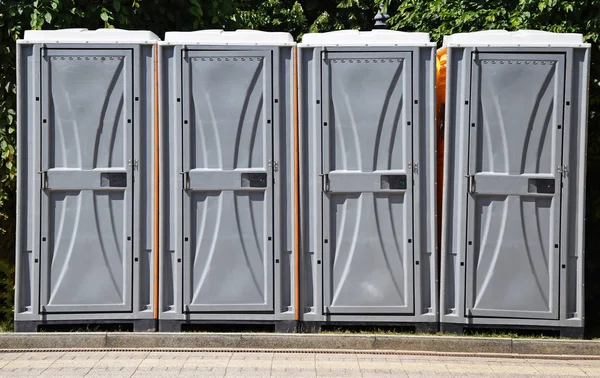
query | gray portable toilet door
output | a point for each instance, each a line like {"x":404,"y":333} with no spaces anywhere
{"x":228,"y":181}
{"x":87,"y":184}
{"x":367,"y":183}
{"x":514,"y":189}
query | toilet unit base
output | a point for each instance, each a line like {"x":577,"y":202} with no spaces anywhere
{"x":563,"y":332}
{"x":278,"y":326}
{"x":138,"y":325}
{"x":316,"y":327}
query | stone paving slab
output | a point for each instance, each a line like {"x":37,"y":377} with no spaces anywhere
{"x":293,"y":364}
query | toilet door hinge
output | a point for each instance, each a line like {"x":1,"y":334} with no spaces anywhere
{"x":414,"y":167}
{"x":563,"y":170}
{"x":133,"y":164}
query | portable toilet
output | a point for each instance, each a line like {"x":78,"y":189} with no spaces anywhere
{"x":367,"y":113}
{"x":227,"y":232}
{"x":85,"y":117}
{"x":514,"y":181}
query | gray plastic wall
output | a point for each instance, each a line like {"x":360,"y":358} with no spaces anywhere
{"x":513,"y":249}
{"x":84,"y":185}
{"x":384,"y":269}
{"x":226,"y":236}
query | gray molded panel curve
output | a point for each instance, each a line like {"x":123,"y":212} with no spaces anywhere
{"x":516,"y":137}
{"x":368,"y":254}
{"x":87,"y":231}
{"x":518,"y":108}
{"x":86,"y":225}
{"x":370,"y":264}
{"x":516,"y":260}
{"x":228,"y":260}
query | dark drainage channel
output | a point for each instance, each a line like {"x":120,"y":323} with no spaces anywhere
{"x":228,"y":328}
{"x":506,"y":332}
{"x":367,"y":329}
{"x":85,"y":328}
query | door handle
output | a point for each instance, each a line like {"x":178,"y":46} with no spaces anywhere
{"x":113,"y":179}
{"x":254,"y":180}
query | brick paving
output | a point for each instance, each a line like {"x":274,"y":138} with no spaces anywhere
{"x":288,"y":364}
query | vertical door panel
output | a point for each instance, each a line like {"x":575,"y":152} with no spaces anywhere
{"x":228,"y":199}
{"x":87,"y":203}
{"x":514,"y":199}
{"x":367,"y":200}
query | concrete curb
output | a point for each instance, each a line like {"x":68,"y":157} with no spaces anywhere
{"x":567,"y":347}
{"x":448,"y":344}
{"x":52,"y":340}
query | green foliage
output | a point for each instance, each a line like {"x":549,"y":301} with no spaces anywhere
{"x":7,"y":291}
{"x":271,"y":15}
{"x":345,"y":14}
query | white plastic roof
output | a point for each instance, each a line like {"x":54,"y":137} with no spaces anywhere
{"x":93,"y":36}
{"x":238,"y":37}
{"x":515,"y":38}
{"x":365,"y":38}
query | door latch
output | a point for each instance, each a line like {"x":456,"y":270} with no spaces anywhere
{"x":274,"y":164}
{"x":186,"y":180}
{"x":44,"y":179}
{"x":470,"y":183}
{"x":184,"y":52}
{"x":325,"y":182}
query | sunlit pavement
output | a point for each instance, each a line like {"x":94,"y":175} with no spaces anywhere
{"x":280,"y":364}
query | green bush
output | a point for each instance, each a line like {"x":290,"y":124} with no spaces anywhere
{"x":7,"y":290}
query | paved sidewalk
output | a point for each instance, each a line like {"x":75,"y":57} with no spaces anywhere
{"x":288,"y":364}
